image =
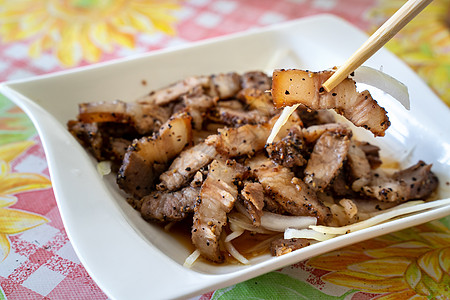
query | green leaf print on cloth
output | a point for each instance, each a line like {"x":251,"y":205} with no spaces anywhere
{"x":2,"y":294}
{"x":273,"y":285}
{"x":15,"y":125}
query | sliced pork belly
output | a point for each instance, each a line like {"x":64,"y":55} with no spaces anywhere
{"x":315,"y":117}
{"x":118,"y":148}
{"x":233,"y":113}
{"x":293,"y":195}
{"x":169,"y":206}
{"x":148,"y":157}
{"x":372,"y":153}
{"x":106,"y":141}
{"x":326,"y":159}
{"x":199,"y":100}
{"x":359,"y":166}
{"x":174,"y":91}
{"x":291,"y":87}
{"x":252,"y":196}
{"x":144,"y":117}
{"x":186,"y":165}
{"x":225,"y":86}
{"x":235,"y":118}
{"x":257,"y":100}
{"x":340,"y":186}
{"x":244,"y":140}
{"x":289,"y":150}
{"x":283,"y":246}
{"x":217,"y":197}
{"x":89,"y":135}
{"x":312,"y":133}
{"x":415,"y":182}
{"x":256,"y":80}
{"x":247,"y":139}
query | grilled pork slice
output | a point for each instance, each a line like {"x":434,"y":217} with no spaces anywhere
{"x":294,"y":196}
{"x":174,"y":91}
{"x":312,"y":133}
{"x":186,"y":165}
{"x":289,"y":150}
{"x":217,"y":197}
{"x":233,"y":113}
{"x":247,"y":139}
{"x":89,"y":135}
{"x":326,"y":159}
{"x":222,"y":85}
{"x":283,"y":246}
{"x":415,"y":182}
{"x":197,"y":104}
{"x":106,"y":141}
{"x":252,"y":196}
{"x":256,"y":80}
{"x":197,"y":99}
{"x":169,"y":206}
{"x":225,"y":86}
{"x":315,"y":117}
{"x":359,"y":166}
{"x":372,"y":153}
{"x":291,"y":87}
{"x":340,"y":186}
{"x":144,"y":117}
{"x":238,"y":117}
{"x":148,"y":157}
{"x":257,"y":100}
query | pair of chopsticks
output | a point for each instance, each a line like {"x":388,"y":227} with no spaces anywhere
{"x":390,"y":28}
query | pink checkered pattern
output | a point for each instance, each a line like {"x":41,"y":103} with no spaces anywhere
{"x":42,"y":263}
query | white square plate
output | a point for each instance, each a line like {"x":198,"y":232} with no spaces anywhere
{"x":131,"y":259}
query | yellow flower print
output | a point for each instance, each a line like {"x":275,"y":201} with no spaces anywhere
{"x":424,"y":43}
{"x":83,"y":29}
{"x":13,"y":221}
{"x":410,"y":264}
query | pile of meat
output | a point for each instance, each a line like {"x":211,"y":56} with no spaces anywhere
{"x":197,"y":149}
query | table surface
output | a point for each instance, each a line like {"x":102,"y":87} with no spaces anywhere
{"x":37,"y":260}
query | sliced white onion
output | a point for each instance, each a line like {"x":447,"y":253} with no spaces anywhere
{"x":285,"y":114}
{"x":233,"y":251}
{"x":277,"y":222}
{"x":384,"y":82}
{"x":104,"y":168}
{"x":234,"y":235}
{"x":292,"y":233}
{"x":403,"y":209}
{"x":190,"y":260}
{"x":238,"y":219}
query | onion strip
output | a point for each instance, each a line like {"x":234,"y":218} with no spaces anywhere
{"x":234,"y":235}
{"x":291,"y":233}
{"x":277,"y":222}
{"x":239,"y":220}
{"x":285,"y":114}
{"x":392,"y":213}
{"x":384,"y":82}
{"x":190,"y":260}
{"x":233,"y":251}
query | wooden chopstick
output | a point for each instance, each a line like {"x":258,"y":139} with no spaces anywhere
{"x":390,"y":28}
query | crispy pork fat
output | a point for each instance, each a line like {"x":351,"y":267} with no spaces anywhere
{"x":290,"y":87}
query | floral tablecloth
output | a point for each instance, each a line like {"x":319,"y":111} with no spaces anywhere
{"x":37,"y":260}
